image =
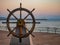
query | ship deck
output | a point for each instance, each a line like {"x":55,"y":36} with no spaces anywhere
{"x":39,"y":39}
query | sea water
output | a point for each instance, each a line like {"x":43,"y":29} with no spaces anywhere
{"x":53,"y":25}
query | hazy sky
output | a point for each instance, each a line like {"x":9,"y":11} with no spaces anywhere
{"x":43,"y":7}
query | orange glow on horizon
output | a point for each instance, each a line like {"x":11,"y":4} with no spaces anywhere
{"x":44,"y":6}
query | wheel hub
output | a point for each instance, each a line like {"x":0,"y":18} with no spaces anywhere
{"x":21,"y":22}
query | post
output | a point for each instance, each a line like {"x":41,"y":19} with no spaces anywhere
{"x":47,"y":29}
{"x":55,"y":29}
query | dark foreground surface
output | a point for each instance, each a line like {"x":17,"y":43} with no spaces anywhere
{"x":39,"y":39}
{"x":15,"y":41}
{"x":4,"y":40}
{"x":46,"y":39}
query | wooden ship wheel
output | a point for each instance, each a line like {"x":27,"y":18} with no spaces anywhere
{"x":20,"y":23}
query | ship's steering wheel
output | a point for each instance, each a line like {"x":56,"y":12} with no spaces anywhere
{"x":20,"y":22}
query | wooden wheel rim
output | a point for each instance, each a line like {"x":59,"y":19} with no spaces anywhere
{"x":33,"y":26}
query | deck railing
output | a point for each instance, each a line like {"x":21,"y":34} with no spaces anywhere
{"x":48,"y":29}
{"x":39,"y":29}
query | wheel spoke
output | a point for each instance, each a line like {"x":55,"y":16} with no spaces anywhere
{"x":28,"y":14}
{"x":12,"y":14}
{"x":13,"y":22}
{"x":20,"y":11}
{"x":29,"y":32}
{"x":32,"y":22}
{"x":11,"y":31}
{"x":26,"y":29}
{"x":9,"y":22}
{"x":25,"y":22}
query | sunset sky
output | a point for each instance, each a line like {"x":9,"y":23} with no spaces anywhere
{"x":43,"y":8}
